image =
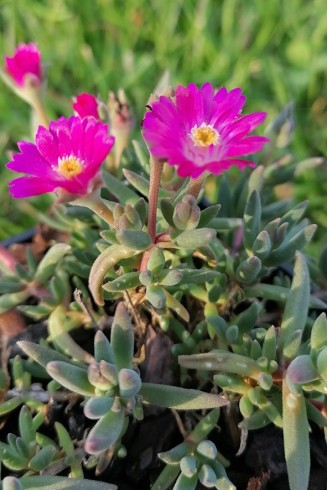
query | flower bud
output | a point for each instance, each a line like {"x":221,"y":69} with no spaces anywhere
{"x":122,"y":122}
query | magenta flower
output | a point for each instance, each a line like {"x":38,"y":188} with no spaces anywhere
{"x":66,"y":157}
{"x":86,"y":105}
{"x":202,"y":130}
{"x":26,"y":61}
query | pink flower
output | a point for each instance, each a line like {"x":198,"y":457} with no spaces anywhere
{"x":202,"y":130}
{"x":86,"y":105}
{"x":66,"y":157}
{"x":26,"y":61}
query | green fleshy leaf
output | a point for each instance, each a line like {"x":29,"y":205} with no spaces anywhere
{"x":130,"y":280}
{"x":225,"y":224}
{"x":122,"y":338}
{"x":262,"y":245}
{"x":64,"y":439}
{"x":166,"y":477}
{"x":248,"y":270}
{"x":167,"y":210}
{"x":49,"y":263}
{"x":105,"y":433}
{"x":179,"y":398}
{"x":188,"y":465}
{"x":72,"y":377}
{"x":192,"y":239}
{"x":175,"y":305}
{"x":257,"y":420}
{"x":286,"y":251}
{"x":129,"y":382}
{"x":156,"y":296}
{"x":156,"y":261}
{"x":314,"y":414}
{"x":200,"y":276}
{"x":293,"y":216}
{"x":10,"y":405}
{"x":252,"y":219}
{"x":97,"y":406}
{"x":322,"y":363}
{"x":292,"y":344}
{"x":319,"y":332}
{"x":141,"y":184}
{"x":279,"y":294}
{"x":301,"y":370}
{"x":221,"y":361}
{"x":43,"y":458}
{"x":8,"y":301}
{"x":26,"y":427}
{"x":246,"y":319}
{"x":11,"y":483}
{"x":174,"y":455}
{"x":136,"y":240}
{"x":103,"y":349}
{"x":102,"y":265}
{"x":186,"y":483}
{"x":296,"y":439}
{"x":269,"y":346}
{"x":119,"y":189}
{"x":43,"y":355}
{"x":296,"y":308}
{"x":62,"y":483}
{"x":207,"y":215}
{"x":170,"y":277}
{"x":61,"y":338}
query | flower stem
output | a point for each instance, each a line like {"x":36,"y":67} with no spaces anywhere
{"x":39,"y":110}
{"x":97,"y":205}
{"x":156,"y":168}
{"x":196,"y":185}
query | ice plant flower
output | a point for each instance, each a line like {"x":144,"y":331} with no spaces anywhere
{"x":86,"y":105}
{"x":200,"y":130}
{"x":26,"y":62}
{"x":66,"y":158}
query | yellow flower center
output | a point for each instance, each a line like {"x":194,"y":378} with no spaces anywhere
{"x":70,"y":166}
{"x":204,"y":135}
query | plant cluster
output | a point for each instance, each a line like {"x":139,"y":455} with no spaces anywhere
{"x":163,"y":240}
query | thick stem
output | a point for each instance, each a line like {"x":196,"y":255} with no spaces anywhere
{"x":156,"y":168}
{"x":97,"y":205}
{"x":195,"y":185}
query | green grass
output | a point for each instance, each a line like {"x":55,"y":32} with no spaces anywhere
{"x":274,"y":50}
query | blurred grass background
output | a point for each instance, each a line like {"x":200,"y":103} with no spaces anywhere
{"x":274,"y":50}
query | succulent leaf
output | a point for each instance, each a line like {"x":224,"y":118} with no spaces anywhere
{"x":72,"y":377}
{"x":122,"y":338}
{"x":296,"y":439}
{"x":105,"y":433}
{"x":179,"y":398}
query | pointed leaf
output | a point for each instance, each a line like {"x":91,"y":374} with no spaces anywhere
{"x":72,"y":377}
{"x":102,"y":265}
{"x":179,"y":398}
{"x":297,"y":304}
{"x":105,"y":433}
{"x":296,"y":439}
{"x":63,"y":483}
{"x":221,"y":361}
{"x":252,"y":219}
{"x":122,"y":338}
{"x":48,"y":264}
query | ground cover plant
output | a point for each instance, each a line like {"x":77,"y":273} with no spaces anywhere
{"x":164,"y":318}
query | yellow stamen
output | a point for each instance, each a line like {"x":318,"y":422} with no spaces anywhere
{"x":204,"y":135}
{"x":69,"y":166}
